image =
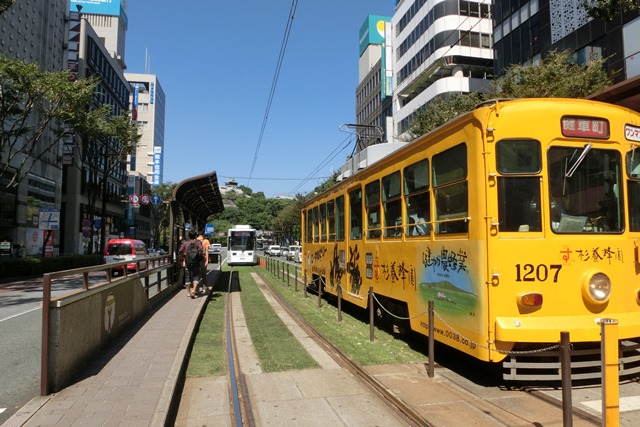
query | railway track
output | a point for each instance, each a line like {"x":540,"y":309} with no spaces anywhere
{"x":402,"y":392}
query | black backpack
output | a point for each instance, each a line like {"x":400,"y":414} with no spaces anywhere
{"x":193,"y":255}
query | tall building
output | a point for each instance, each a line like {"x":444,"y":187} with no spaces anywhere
{"x":33,"y":31}
{"x":526,"y":31}
{"x":373,"y":97}
{"x":87,"y":215}
{"x":439,"y":48}
{"x":148,"y":108}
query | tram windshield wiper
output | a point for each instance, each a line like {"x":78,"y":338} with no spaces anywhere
{"x":579,"y":160}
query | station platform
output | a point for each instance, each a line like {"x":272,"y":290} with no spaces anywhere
{"x":138,"y":381}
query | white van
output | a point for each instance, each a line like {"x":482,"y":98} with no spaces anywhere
{"x":295,"y":253}
{"x":273,"y":250}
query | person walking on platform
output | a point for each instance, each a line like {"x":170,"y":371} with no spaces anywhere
{"x":193,"y":255}
{"x":205,"y":263}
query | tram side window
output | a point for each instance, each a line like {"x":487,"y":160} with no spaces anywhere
{"x":316,"y":224}
{"x":416,"y":190}
{"x":331,"y":220}
{"x":355,"y":218}
{"x":308,"y":227}
{"x":633,"y":189}
{"x":451,"y":190}
{"x":372,"y":202}
{"x":519,"y":196}
{"x":323,"y":222}
{"x":392,"y":205}
{"x":340,"y":218}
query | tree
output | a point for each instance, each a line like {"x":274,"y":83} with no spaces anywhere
{"x":163,"y":212}
{"x":107,"y":139}
{"x":288,"y":221}
{"x":607,"y":9}
{"x":5,"y":4}
{"x":556,"y":76}
{"x":440,"y":111}
{"x":32,"y":102}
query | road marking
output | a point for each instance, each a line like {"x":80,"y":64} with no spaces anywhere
{"x":19,"y":314}
{"x":630,"y":403}
{"x":2,"y":410}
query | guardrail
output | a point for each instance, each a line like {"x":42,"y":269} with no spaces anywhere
{"x":78,"y":324}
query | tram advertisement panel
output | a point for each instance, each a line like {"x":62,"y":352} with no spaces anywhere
{"x":450,"y":274}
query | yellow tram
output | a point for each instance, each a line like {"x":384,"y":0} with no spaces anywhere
{"x":519,"y":219}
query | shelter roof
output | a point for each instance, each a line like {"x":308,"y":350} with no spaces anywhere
{"x":199,"y":196}
{"x":626,"y":93}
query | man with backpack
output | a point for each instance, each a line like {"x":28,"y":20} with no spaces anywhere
{"x":192,"y":252}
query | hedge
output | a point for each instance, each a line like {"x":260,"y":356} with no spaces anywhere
{"x":14,"y":268}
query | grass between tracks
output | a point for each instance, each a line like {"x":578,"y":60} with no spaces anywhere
{"x":351,"y":335}
{"x":277,"y":349}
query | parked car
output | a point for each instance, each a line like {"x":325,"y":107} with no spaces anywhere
{"x":125,"y":250}
{"x":273,"y":250}
{"x":295,"y":253}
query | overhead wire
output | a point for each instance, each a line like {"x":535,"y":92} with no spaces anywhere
{"x":324,"y":162}
{"x":274,"y":83}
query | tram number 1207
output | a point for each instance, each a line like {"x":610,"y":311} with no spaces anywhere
{"x":540,"y":272}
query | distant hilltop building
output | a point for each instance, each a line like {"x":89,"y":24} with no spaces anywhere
{"x":231,"y":186}
{"x":284,"y":197}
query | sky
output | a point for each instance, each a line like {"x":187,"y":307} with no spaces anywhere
{"x":216,"y":62}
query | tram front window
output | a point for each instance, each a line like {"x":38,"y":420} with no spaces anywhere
{"x":241,"y":241}
{"x":584,"y":188}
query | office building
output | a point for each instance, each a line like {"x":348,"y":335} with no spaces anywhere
{"x":439,"y":48}
{"x":32,"y":31}
{"x":525,"y":31}
{"x":148,"y":108}
{"x":88,"y":217}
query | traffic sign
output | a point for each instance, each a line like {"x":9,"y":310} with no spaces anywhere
{"x":134,"y":198}
{"x":208,"y":229}
{"x":49,"y":219}
{"x":156,"y":200}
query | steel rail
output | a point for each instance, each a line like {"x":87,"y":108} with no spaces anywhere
{"x":342,"y":359}
{"x":242,"y":412}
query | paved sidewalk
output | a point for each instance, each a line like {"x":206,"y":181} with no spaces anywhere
{"x":133,"y":382}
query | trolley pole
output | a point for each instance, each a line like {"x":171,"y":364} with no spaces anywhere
{"x":610,"y":384}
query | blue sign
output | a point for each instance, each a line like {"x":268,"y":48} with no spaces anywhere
{"x":156,"y":200}
{"x":208,"y":229}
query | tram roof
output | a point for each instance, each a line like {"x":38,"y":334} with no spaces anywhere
{"x":200,"y":196}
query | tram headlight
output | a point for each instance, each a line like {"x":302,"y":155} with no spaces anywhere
{"x":597,"y":288}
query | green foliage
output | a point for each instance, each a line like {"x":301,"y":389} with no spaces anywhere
{"x":11,"y":268}
{"x":165,"y":191}
{"x":277,"y":348}
{"x":556,"y":76}
{"x":31,"y":102}
{"x":288,"y":222}
{"x":441,"y":110}
{"x":607,"y":9}
{"x":6,"y":4}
